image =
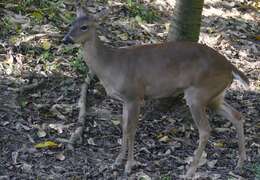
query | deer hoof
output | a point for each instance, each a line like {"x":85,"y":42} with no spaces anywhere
{"x":129,"y":166}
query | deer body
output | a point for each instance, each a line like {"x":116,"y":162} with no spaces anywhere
{"x":156,"y":70}
{"x":132,"y":74}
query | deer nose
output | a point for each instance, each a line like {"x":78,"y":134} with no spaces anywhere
{"x":67,"y":40}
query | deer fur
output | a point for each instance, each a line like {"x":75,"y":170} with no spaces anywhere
{"x":135,"y":73}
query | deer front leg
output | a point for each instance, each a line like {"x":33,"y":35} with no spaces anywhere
{"x":129,"y":125}
{"x":123,"y":149}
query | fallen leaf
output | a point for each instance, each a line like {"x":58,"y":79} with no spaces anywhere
{"x":212,"y":163}
{"x":221,"y":130}
{"x":60,"y":156}
{"x":41,"y":133}
{"x":46,"y":144}
{"x":27,"y":168}
{"x":91,"y":141}
{"x":104,"y":39}
{"x":55,"y":109}
{"x":164,"y":139}
{"x":57,"y":127}
{"x":174,"y":131}
{"x":219,"y":144}
{"x":123,"y":36}
{"x":45,"y":44}
{"x":116,"y":122}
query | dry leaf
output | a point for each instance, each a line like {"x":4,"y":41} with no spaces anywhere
{"x":57,"y":127}
{"x":174,"y":131}
{"x":123,"y":36}
{"x":164,"y":139}
{"x":45,"y":44}
{"x":104,"y":39}
{"x":212,"y":163}
{"x":91,"y":141}
{"x":27,"y":168}
{"x":55,"y":109}
{"x":41,"y":133}
{"x":116,"y":122}
{"x":219,"y":144}
{"x":60,"y":156}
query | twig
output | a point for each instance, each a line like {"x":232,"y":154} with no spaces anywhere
{"x":236,"y":176}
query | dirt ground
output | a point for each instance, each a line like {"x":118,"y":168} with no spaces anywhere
{"x":166,"y":137}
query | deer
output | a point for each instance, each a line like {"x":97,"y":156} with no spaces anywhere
{"x":133,"y":74}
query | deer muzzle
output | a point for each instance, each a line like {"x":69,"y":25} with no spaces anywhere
{"x":67,"y":40}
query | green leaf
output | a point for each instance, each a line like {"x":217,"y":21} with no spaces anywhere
{"x":37,"y":16}
{"x":46,"y":44}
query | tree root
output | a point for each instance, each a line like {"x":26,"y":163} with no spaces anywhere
{"x":76,"y":137}
{"x":29,"y":87}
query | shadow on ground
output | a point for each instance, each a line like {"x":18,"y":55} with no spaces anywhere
{"x":166,"y":136}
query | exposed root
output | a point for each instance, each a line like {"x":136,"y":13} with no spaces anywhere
{"x":76,"y":137}
{"x":29,"y":87}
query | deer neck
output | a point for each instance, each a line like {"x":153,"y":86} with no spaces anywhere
{"x":96,"y":53}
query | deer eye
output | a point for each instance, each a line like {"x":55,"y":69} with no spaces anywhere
{"x":83,"y":28}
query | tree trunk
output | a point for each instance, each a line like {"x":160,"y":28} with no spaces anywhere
{"x":185,"y":25}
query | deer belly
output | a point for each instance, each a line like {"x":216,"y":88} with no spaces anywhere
{"x":111,"y":91}
{"x":162,"y":91}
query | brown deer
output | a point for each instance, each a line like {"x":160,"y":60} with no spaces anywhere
{"x":132,"y":74}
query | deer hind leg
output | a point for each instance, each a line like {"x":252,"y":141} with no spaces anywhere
{"x":227,"y":111}
{"x":196,"y":102}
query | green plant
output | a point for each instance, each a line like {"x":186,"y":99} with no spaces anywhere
{"x":46,"y":56}
{"x":8,"y":27}
{"x":167,"y":177}
{"x":69,"y":50}
{"x":256,"y":169}
{"x":139,"y":10}
{"x":78,"y":64}
{"x":39,"y":10}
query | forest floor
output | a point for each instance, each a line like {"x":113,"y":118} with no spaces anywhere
{"x":40,"y":87}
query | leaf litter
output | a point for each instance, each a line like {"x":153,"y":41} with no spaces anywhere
{"x":40,"y":87}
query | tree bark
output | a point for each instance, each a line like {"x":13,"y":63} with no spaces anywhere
{"x":185,"y":25}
